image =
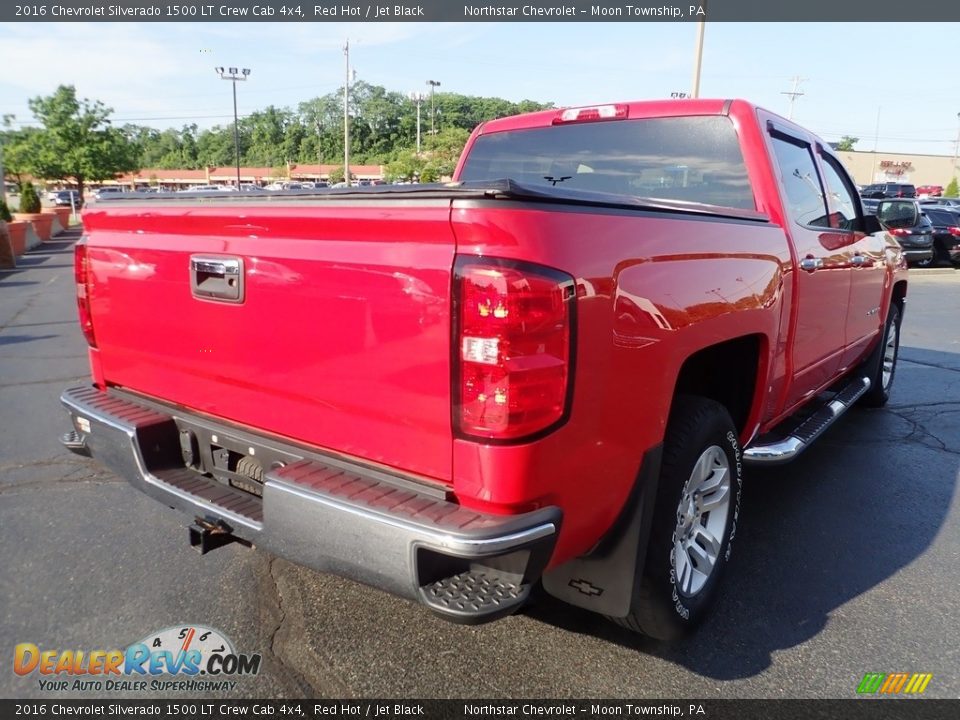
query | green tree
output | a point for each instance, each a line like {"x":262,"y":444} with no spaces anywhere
{"x":29,"y":200}
{"x":76,"y":142}
{"x":5,"y":211}
{"x":336,"y":175}
{"x":847,"y":142}
{"x":952,"y":190}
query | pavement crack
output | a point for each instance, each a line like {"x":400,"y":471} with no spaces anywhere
{"x":23,"y":383}
{"x":920,"y":434}
{"x":273,"y":617}
{"x":930,"y":364}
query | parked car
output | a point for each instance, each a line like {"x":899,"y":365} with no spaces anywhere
{"x":869,"y":206}
{"x":101,"y":193}
{"x":904,"y":220}
{"x":68,"y":198}
{"x":945,"y":201}
{"x":200,"y":188}
{"x":929,"y":191}
{"x":889,"y":190}
{"x":946,"y":233}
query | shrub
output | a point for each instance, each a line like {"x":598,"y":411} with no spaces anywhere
{"x":5,"y":211}
{"x":29,"y":200}
{"x":952,"y":189}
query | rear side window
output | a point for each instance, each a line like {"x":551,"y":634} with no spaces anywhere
{"x":801,"y":184}
{"x":843,"y":208}
{"x":694,"y":159}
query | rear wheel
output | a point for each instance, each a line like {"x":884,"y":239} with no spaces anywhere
{"x":882,"y":363}
{"x":694,"y":521}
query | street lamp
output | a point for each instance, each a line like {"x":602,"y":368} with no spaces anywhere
{"x":232,"y":75}
{"x":433,"y":84}
{"x":956,"y":147}
{"x":417,"y":98}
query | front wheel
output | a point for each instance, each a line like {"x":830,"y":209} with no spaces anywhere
{"x":694,"y":521}
{"x":882,"y":363}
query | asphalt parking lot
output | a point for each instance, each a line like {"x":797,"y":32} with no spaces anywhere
{"x":847,"y":561}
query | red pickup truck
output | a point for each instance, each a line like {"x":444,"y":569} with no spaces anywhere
{"x":551,"y":370}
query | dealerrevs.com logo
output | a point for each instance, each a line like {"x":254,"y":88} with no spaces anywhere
{"x":182,"y":658}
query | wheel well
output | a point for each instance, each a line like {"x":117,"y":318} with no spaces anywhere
{"x":727,"y":373}
{"x":899,"y":293}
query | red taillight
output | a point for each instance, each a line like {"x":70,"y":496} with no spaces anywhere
{"x":955,"y":231}
{"x":513,"y":343}
{"x":81,"y":273}
{"x":899,"y":232}
{"x":592,"y":114}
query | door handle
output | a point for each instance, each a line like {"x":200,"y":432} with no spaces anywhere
{"x":811,"y":263}
{"x":861,"y":261}
{"x":216,"y":278}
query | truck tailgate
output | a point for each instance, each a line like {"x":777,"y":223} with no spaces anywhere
{"x":340,"y":338}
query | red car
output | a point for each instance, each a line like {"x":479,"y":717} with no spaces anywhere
{"x":552,"y":370}
{"x":929,"y":190}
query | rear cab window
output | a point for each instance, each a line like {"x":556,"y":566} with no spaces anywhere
{"x":693,"y":159}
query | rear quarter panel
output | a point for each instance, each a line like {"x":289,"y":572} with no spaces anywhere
{"x":652,"y":290}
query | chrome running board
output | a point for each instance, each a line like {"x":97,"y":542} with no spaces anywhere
{"x":785,"y":450}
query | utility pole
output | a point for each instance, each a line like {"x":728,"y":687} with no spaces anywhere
{"x":433,"y":84}
{"x":697,"y":60}
{"x":795,"y":93}
{"x":876,"y":141}
{"x":346,"y":115}
{"x":698,"y":56}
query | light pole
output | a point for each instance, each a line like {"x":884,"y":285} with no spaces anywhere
{"x":433,"y":84}
{"x":417,"y":99}
{"x":231,"y":75}
{"x":7,"y":120}
{"x":956,"y":146}
{"x":346,"y":116}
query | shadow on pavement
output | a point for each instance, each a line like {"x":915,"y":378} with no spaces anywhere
{"x":14,"y":339}
{"x":861,"y":504}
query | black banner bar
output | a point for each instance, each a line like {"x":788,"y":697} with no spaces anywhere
{"x":188,"y":709}
{"x":641,"y":11}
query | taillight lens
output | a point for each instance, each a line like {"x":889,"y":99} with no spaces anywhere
{"x":81,"y":272}
{"x":899,"y":232}
{"x":955,"y":231}
{"x":513,"y":337}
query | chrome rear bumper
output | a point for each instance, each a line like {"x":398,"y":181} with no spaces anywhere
{"x":325,"y":512}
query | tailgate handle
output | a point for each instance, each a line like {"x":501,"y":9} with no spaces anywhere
{"x":216,"y":278}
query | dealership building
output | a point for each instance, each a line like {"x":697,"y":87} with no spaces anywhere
{"x":877,"y":167}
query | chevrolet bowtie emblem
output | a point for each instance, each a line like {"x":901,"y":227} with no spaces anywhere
{"x":586,"y":587}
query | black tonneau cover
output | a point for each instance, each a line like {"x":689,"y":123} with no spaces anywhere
{"x":504,"y":189}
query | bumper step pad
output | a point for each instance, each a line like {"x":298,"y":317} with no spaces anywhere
{"x":475,"y":594}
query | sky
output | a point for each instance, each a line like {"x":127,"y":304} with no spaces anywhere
{"x":881,"y":82}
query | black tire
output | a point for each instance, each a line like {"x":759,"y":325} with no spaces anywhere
{"x":879,"y":392}
{"x":660,"y":607}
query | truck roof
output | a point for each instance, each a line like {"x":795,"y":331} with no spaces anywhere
{"x":635,"y":109}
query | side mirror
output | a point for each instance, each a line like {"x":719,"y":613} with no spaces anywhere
{"x":870,"y":224}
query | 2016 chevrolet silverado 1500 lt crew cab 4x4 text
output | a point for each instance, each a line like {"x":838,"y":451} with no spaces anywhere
{"x":550,"y":370}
